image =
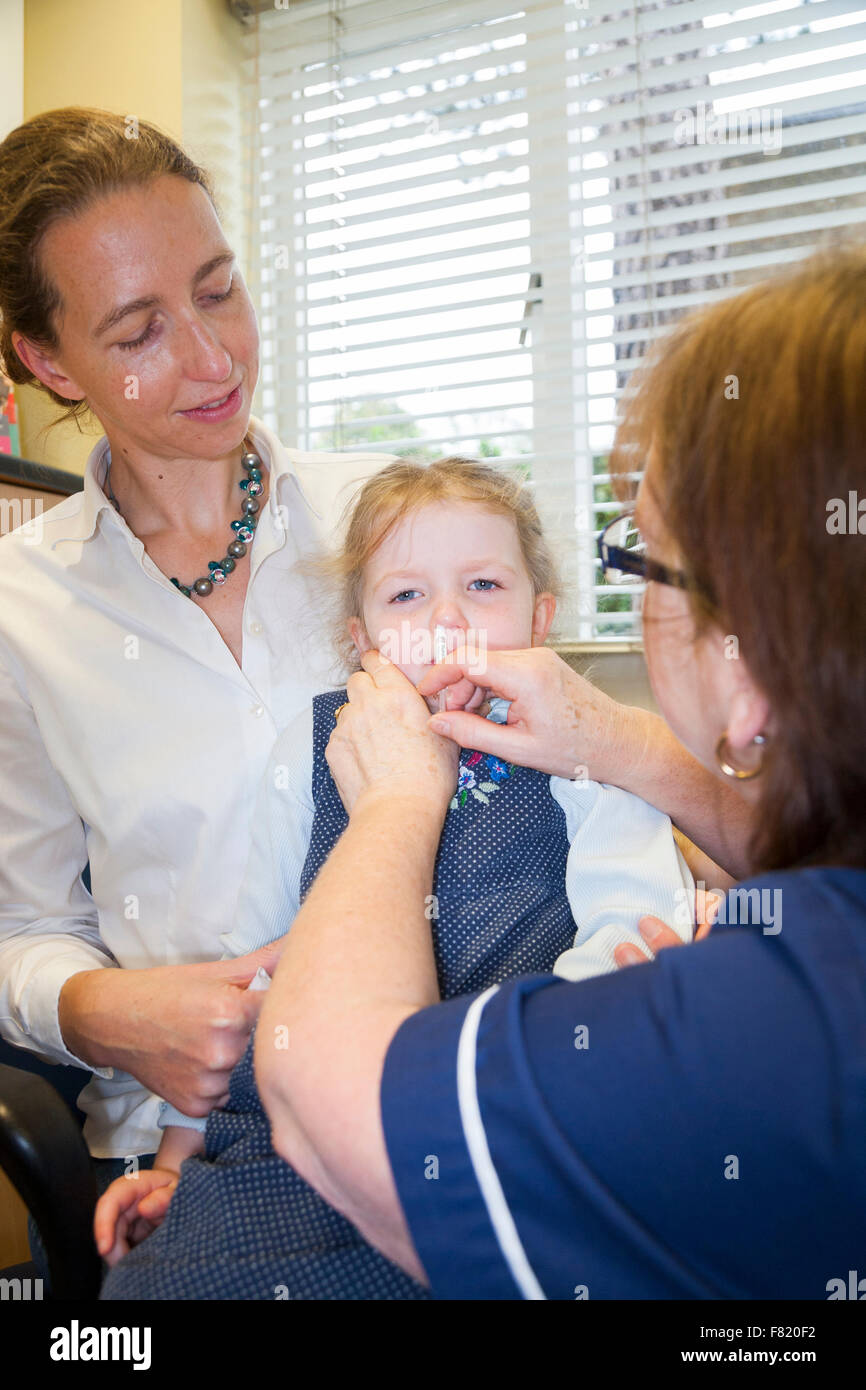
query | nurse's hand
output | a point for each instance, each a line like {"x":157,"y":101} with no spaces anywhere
{"x":557,"y":722}
{"x":178,"y":1029}
{"x":383,"y":746}
{"x":659,"y":936}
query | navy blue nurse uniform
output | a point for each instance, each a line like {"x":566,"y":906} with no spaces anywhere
{"x":690,"y":1128}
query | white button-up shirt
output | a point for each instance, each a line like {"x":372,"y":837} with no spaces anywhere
{"x":130,"y":736}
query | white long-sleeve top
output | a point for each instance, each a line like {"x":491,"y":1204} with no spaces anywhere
{"x":130,"y":736}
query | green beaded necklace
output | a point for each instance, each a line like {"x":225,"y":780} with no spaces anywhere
{"x":219,"y":570}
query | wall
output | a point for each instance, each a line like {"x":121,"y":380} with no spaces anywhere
{"x":12,"y":80}
{"x":211,"y":94}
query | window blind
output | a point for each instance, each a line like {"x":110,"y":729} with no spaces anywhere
{"x":468,"y":222}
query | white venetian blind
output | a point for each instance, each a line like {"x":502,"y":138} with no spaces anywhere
{"x":469,"y":221}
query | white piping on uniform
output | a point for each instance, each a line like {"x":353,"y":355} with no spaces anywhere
{"x":479,"y":1152}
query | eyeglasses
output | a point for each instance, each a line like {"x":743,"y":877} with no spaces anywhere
{"x":622,"y":551}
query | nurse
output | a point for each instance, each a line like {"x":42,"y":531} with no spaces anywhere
{"x":693,"y":1128}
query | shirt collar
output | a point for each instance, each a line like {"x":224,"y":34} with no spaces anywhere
{"x":81,"y":523}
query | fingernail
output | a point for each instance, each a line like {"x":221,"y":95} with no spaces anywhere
{"x":650,"y":931}
{"x":629,"y":955}
{"x":441,"y":726}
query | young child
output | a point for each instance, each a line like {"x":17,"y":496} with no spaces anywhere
{"x":533,"y":874}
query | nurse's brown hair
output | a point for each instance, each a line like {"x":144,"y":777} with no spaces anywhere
{"x":756,"y":408}
{"x":52,"y":167}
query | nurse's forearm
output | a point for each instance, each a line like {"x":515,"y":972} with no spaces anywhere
{"x":357,"y":961}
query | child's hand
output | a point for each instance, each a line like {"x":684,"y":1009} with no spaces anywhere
{"x":130,"y":1210}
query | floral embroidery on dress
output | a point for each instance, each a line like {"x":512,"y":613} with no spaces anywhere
{"x":494,"y":771}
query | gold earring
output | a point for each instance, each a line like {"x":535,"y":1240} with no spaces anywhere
{"x":723,"y":759}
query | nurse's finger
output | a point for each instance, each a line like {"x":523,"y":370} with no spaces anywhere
{"x":711,"y":904}
{"x":629,"y":954}
{"x":657,"y":934}
{"x":381,"y":669}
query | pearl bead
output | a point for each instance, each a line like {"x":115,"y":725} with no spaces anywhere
{"x":244,"y":529}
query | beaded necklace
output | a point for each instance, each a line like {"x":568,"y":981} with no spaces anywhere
{"x":219,"y":570}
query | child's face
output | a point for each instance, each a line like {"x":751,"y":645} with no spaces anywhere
{"x":456,"y":566}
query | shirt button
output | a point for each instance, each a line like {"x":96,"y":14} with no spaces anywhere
{"x":257,"y":710}
{"x":256,"y":628}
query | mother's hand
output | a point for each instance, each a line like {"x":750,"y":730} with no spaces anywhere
{"x":382,"y":744}
{"x":178,"y":1029}
{"x":557,"y":722}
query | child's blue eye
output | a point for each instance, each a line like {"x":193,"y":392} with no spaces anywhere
{"x":485,"y":581}
{"x":397,"y":597}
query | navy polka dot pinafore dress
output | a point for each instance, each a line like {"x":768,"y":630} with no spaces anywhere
{"x":242,"y":1224}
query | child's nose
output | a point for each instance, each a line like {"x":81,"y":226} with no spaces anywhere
{"x":447,"y":613}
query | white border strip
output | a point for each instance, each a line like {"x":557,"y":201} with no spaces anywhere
{"x":479,"y":1152}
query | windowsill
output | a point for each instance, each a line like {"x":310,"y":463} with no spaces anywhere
{"x":598,"y":647}
{"x":617,"y":668}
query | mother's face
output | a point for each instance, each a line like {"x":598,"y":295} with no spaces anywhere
{"x":189,"y":339}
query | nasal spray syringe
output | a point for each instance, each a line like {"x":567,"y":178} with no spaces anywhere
{"x":440,"y":651}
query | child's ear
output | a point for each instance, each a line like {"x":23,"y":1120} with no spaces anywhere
{"x":545,"y":612}
{"x":358,"y":634}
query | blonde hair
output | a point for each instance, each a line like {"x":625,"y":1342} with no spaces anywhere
{"x":401,"y":489}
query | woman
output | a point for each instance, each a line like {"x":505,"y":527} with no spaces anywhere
{"x":694,"y":1128}
{"x":139,"y":697}
{"x":136,"y":718}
